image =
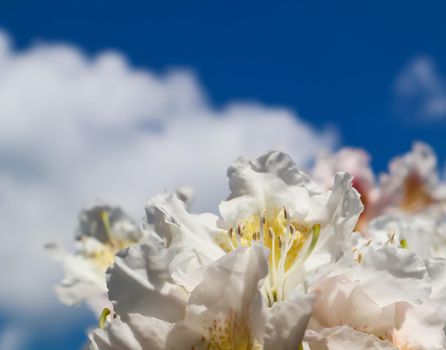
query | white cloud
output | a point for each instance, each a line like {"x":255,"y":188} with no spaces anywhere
{"x":75,"y":128}
{"x":421,"y":90}
{"x":12,"y":338}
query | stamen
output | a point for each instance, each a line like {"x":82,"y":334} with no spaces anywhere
{"x":238,"y":235}
{"x":289,"y":246}
{"x":316,"y":230}
{"x":103,"y":317}
{"x":403,"y":244}
{"x":271,"y":233}
{"x":262,"y":221}
{"x":230,"y":236}
{"x":391,"y":237}
{"x":273,"y":255}
{"x":106,"y":221}
{"x":314,"y":238}
{"x":288,"y":223}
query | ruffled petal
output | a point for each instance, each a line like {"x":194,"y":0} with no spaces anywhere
{"x":287,"y":323}
{"x":272,"y":169}
{"x":422,"y":329}
{"x":140,"y":281}
{"x":337,"y":212}
{"x":167,"y":217}
{"x":391,"y":275}
{"x":137,"y":333}
{"x":345,"y":338}
{"x":82,"y":281}
{"x":226,"y":307}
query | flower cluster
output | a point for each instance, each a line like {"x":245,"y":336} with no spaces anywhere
{"x":338,"y":260}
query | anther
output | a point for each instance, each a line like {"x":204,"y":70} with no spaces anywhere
{"x":271,"y":233}
{"x":238,"y":235}
{"x":285,"y":213}
{"x":392,"y":237}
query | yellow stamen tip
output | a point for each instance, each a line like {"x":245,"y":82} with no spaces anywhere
{"x":403,"y":244}
{"x":103,"y":317}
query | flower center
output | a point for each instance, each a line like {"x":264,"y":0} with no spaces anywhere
{"x":103,"y":254}
{"x":416,"y":195}
{"x":229,"y":333}
{"x":288,"y":241}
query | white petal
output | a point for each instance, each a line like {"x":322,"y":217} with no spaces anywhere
{"x":82,"y":280}
{"x":338,"y":212}
{"x":229,"y":292}
{"x":341,"y":301}
{"x":345,"y":338}
{"x":287,"y":323}
{"x":421,"y":329}
{"x":436,"y":268}
{"x":268,"y":181}
{"x":138,"y":333}
{"x":390,"y":275}
{"x":270,"y":169}
{"x":140,"y":281}
{"x":166,"y":215}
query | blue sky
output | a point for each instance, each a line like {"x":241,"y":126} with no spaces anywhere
{"x":335,"y":63}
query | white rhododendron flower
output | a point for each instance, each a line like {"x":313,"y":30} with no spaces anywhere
{"x":382,"y":302}
{"x":411,"y":186}
{"x":304,"y":227}
{"x":102,"y":231}
{"x":415,"y":233}
{"x":422,"y":233}
{"x":356,"y":162}
{"x":272,"y":204}
{"x":225,"y":311}
{"x":413,"y":183}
